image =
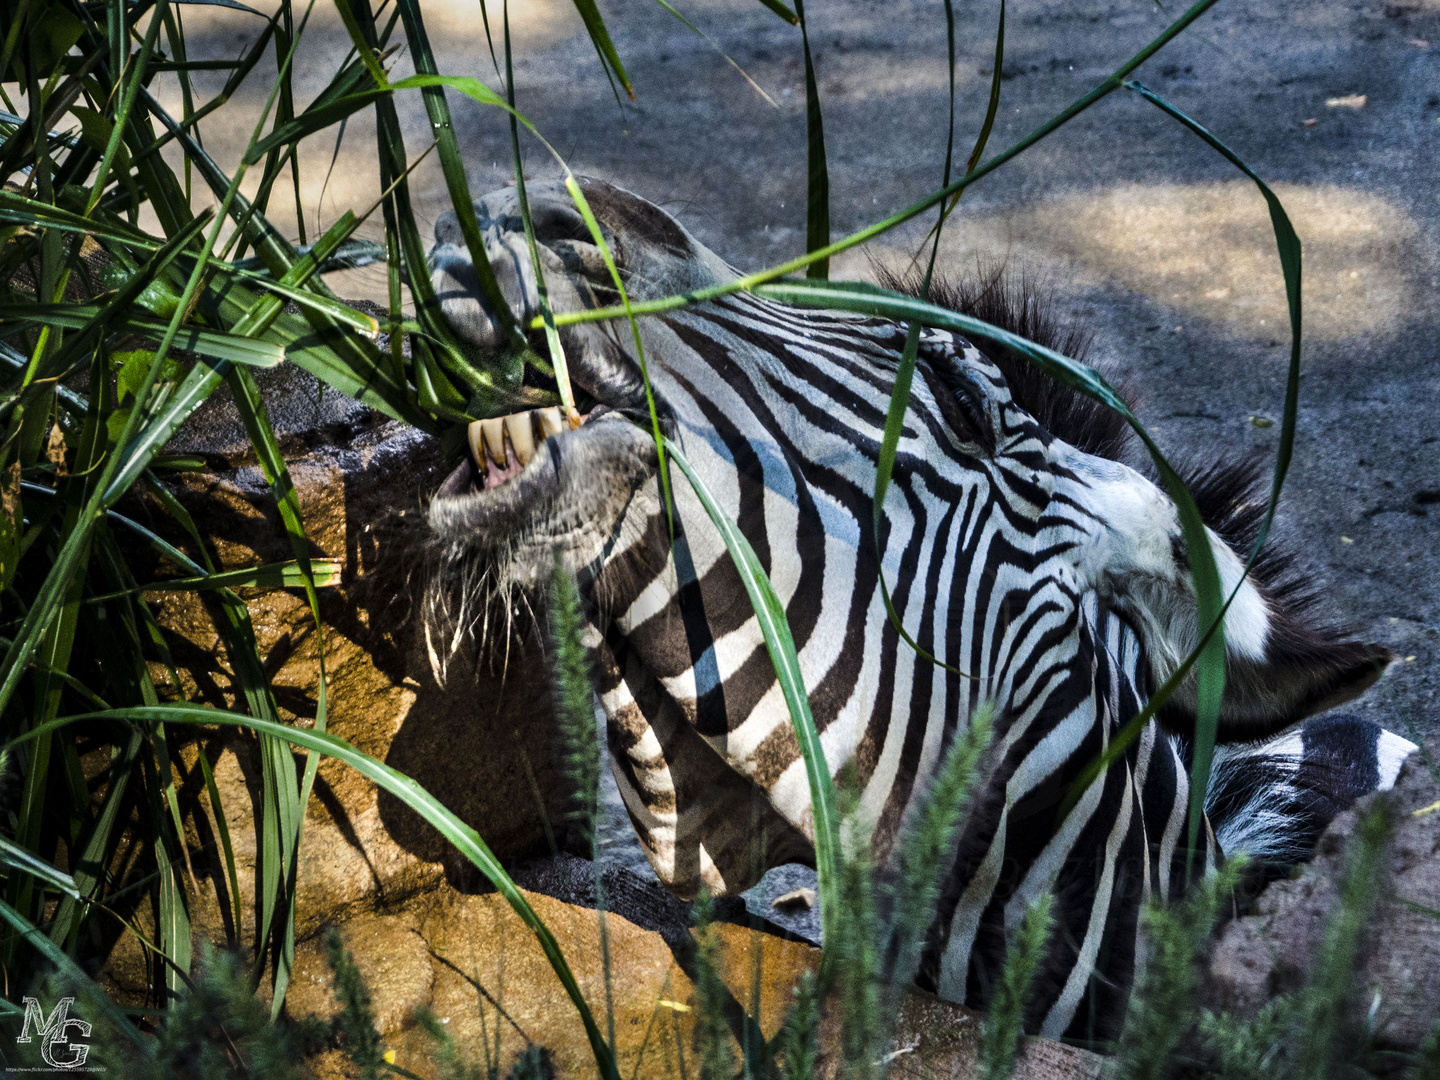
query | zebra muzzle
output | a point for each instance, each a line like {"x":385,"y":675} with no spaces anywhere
{"x":501,"y":447}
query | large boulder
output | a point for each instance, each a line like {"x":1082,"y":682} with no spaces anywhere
{"x":478,"y":968}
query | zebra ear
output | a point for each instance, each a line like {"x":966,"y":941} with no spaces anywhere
{"x":1305,"y":669}
{"x":1283,"y":661}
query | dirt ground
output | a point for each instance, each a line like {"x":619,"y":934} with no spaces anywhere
{"x":1144,"y":231}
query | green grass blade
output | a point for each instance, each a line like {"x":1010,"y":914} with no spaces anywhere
{"x":1287,"y":243}
{"x":262,"y":436}
{"x":17,"y":858}
{"x":817,"y":172}
{"x":604,"y":47}
{"x":286,"y":575}
{"x":227,"y":849}
{"x":789,"y":17}
{"x":211,"y":343}
{"x":770,"y":614}
{"x":311,"y":121}
{"x":780,"y":9}
{"x":466,"y":839}
{"x":905,"y":370}
{"x":542,"y":292}
{"x":72,"y":972}
{"x":99,"y":847}
{"x":573,"y":186}
{"x":452,"y":165}
{"x":199,"y":383}
{"x":173,"y":925}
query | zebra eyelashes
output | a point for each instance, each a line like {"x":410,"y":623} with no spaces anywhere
{"x":961,"y":402}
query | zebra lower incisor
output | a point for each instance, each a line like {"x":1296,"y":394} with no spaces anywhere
{"x":1021,"y":549}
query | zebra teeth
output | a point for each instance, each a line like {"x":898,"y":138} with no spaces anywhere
{"x":472,"y":436}
{"x":549,"y":422}
{"x":502,"y":446}
{"x":519,"y":429}
{"x":493,"y":434}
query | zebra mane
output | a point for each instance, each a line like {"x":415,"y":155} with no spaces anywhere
{"x":1021,"y":303}
{"x":1230,"y":493}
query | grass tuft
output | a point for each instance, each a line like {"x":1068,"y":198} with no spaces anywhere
{"x":713,"y":1044}
{"x":1163,"y":1004}
{"x":1000,"y":1034}
{"x":574,"y":696}
{"x":798,"y":1041}
{"x":359,"y":1033}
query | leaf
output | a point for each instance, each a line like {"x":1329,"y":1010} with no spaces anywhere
{"x":286,"y":575}
{"x":604,"y":47}
{"x":220,"y":346}
{"x":817,"y":172}
{"x":313,"y":120}
{"x":1287,"y":244}
{"x":16,"y":857}
{"x":452,"y":163}
{"x":780,"y":9}
{"x":73,"y":972}
{"x":870,"y":232}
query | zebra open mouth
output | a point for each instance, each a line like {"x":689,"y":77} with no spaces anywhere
{"x":537,"y":479}
{"x":502,"y":448}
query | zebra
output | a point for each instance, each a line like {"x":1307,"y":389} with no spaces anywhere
{"x":1022,"y":551}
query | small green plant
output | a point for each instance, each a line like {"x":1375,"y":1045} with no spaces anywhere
{"x":798,"y":1038}
{"x":574,"y":694}
{"x":1244,"y":1049}
{"x":450,"y":1063}
{"x":1000,"y":1035}
{"x":928,"y":841}
{"x":713,"y":1044}
{"x":1162,"y":1006}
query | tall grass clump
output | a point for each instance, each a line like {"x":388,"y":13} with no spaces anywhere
{"x":574,"y":695}
{"x":714,"y":1049}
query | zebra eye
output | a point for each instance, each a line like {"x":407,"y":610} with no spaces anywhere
{"x":960,"y":400}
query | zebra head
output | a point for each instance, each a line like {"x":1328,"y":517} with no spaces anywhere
{"x":1019,"y":548}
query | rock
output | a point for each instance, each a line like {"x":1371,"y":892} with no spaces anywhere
{"x":491,"y":987}
{"x":477,"y":743}
{"x":1269,"y":952}
{"x":486,"y":979}
{"x":392,"y":956}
